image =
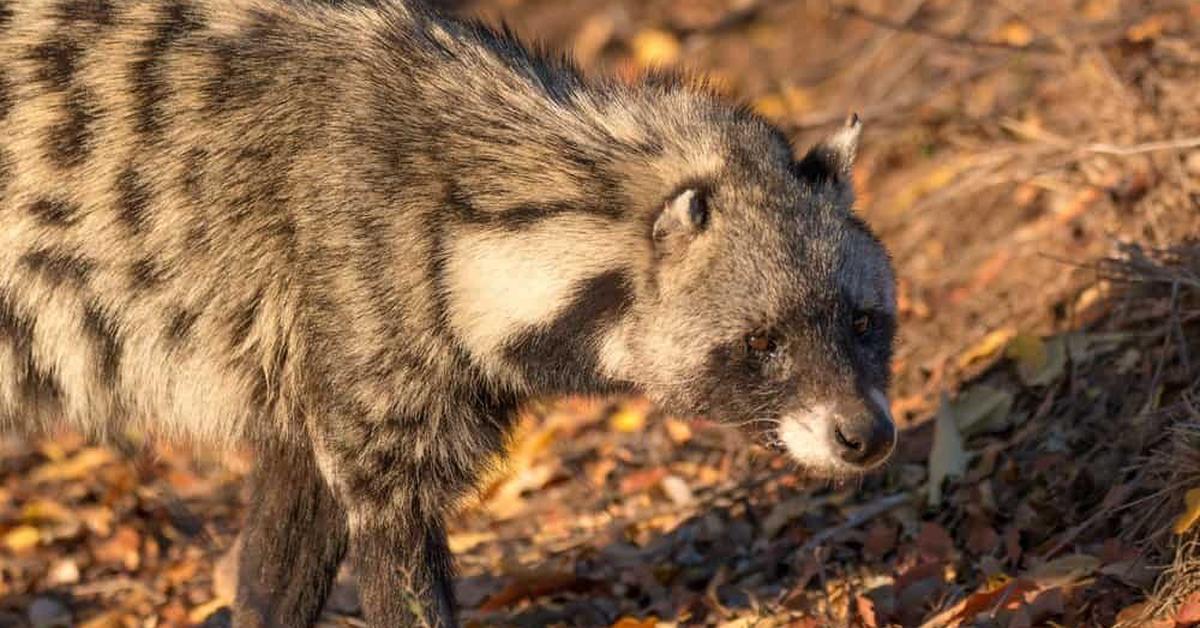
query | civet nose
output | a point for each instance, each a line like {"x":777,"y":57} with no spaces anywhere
{"x":866,"y":440}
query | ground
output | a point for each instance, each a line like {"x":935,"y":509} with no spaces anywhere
{"x":1034,"y":167}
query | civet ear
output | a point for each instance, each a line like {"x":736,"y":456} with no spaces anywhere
{"x":681,"y":218}
{"x":832,"y":159}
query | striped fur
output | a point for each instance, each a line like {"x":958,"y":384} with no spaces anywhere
{"x":357,"y":235}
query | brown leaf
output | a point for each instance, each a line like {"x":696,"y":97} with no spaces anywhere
{"x":63,"y":572}
{"x":199,"y":613}
{"x":1191,"y":512}
{"x":45,"y":511}
{"x":948,"y":457}
{"x":22,"y":538}
{"x":989,"y":346}
{"x":1015,"y":33}
{"x":116,"y":619}
{"x":679,"y":431}
{"x":224,"y":573}
{"x":1012,"y":545}
{"x":74,"y":468}
{"x":1189,"y":610}
{"x":1134,"y":615}
{"x":1039,"y":362}
{"x":173,"y":614}
{"x":529,"y":586}
{"x":918,"y":573}
{"x":181,"y":572}
{"x":460,"y":542}
{"x":633,"y":622}
{"x":631,"y":417}
{"x":677,"y":490}
{"x":121,"y":549}
{"x":643,"y":480}
{"x":934,"y":542}
{"x":653,"y":48}
{"x":1004,"y":596}
{"x":598,"y":472}
{"x":1044,"y":604}
{"x":981,"y":538}
{"x":591,"y":38}
{"x":866,"y":611}
{"x":881,"y":539}
{"x":98,"y":519}
{"x":1065,"y":570}
{"x":1150,"y":28}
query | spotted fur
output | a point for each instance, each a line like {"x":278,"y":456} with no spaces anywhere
{"x":358,"y":235}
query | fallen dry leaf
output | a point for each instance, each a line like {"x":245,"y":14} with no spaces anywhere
{"x":1134,"y":615}
{"x":633,"y":622}
{"x":677,"y":490}
{"x":643,"y":480}
{"x":74,"y":468}
{"x":1189,"y":610}
{"x":653,"y":48}
{"x":1191,"y":512}
{"x":1150,"y":28}
{"x":934,"y":542}
{"x":121,"y":549}
{"x":679,"y":431}
{"x":881,"y":539}
{"x":1005,"y":594}
{"x":63,"y":572}
{"x":199,"y":613}
{"x":948,"y":458}
{"x":1064,"y":571}
{"x":982,"y":409}
{"x":986,"y":348}
{"x":1039,"y":362}
{"x":112,"y":619}
{"x":466,"y":541}
{"x":22,"y":538}
{"x":866,"y":611}
{"x":631,"y":417}
{"x":531,"y":586}
{"x":45,"y":511}
{"x":1015,"y":33}
{"x":771,"y":106}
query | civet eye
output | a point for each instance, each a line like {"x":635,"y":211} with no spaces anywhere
{"x":862,"y":323}
{"x":761,"y":344}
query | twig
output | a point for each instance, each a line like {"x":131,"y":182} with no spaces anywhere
{"x":950,"y":38}
{"x":899,"y":103}
{"x":1182,"y":143}
{"x":859,"y":517}
{"x":1177,"y":327}
{"x":106,"y":587}
{"x":1107,"y":506}
{"x":1156,"y":379}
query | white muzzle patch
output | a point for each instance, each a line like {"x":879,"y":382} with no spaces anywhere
{"x":806,"y":436}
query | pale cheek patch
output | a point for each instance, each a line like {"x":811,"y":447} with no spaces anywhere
{"x":805,"y":435}
{"x":503,"y":283}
